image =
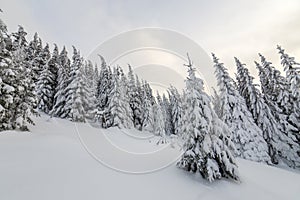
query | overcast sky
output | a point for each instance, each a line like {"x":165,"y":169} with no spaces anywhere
{"x":229,"y":28}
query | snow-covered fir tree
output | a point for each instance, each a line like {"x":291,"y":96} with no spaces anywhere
{"x":59,"y":108}
{"x":148,"y":108}
{"x":35,"y":57}
{"x":75,"y":87}
{"x":165,"y":105}
{"x":24,"y":97}
{"x":281,"y":147}
{"x":135,"y":98}
{"x":104,"y":85}
{"x":118,"y":108}
{"x":175,"y":108}
{"x":90,"y":78}
{"x":207,"y":147}
{"x":72,"y":83}
{"x":292,"y":69}
{"x":104,"y":88}
{"x":49,"y":75}
{"x":80,"y":99}
{"x":159,"y":123}
{"x":45,"y":86}
{"x":232,"y":109}
{"x":7,"y":77}
{"x":160,"y":110}
{"x":94,"y":77}
{"x":137,"y":104}
{"x":275,"y":93}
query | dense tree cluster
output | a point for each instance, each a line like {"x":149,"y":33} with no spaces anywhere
{"x":264,"y":123}
{"x":244,"y":121}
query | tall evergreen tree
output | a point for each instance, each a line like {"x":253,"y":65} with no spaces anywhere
{"x":73,"y":84}
{"x":118,"y":107}
{"x":104,"y":88}
{"x":36,"y":57}
{"x":80,"y":99}
{"x":138,"y":102}
{"x":135,"y":98}
{"x":7,"y":76}
{"x":169,"y":128}
{"x":232,"y":109}
{"x":175,"y":108}
{"x":24,"y":97}
{"x":59,"y":109}
{"x":206,"y":147}
{"x":148,"y":108}
{"x":45,"y":86}
{"x":292,"y":69}
{"x":159,"y":123}
{"x":90,"y":78}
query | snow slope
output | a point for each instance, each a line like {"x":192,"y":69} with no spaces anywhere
{"x":51,"y":163}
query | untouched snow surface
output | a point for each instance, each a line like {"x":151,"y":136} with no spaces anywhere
{"x":51,"y":163}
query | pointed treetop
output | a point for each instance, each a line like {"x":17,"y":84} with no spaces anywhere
{"x":190,"y":64}
{"x":74,"y":49}
{"x":64,"y":50}
{"x":215,"y":59}
{"x":103,"y":63}
{"x":55,"y":50}
{"x":263,"y":60}
{"x":36,"y":36}
{"x":258,"y":66}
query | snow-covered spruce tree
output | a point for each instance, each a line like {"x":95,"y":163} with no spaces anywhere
{"x":7,"y":76}
{"x":81,"y":101}
{"x":176,"y":108}
{"x":292,"y":69}
{"x":75,"y":90}
{"x":169,"y":128}
{"x":92,"y":76}
{"x":45,"y":86}
{"x":275,"y":93}
{"x":207,"y":147}
{"x":104,"y":85}
{"x":59,"y":109}
{"x":72,"y":84}
{"x":147,"y":107}
{"x":159,"y":123}
{"x":135,"y":98}
{"x":118,"y":106}
{"x":103,"y":90}
{"x":138,"y":111}
{"x":24,"y":102}
{"x":160,"y":102}
{"x":89,"y":78}
{"x":95,"y":76}
{"x":52,"y":65}
{"x":35,"y":57}
{"x":232,"y":109}
{"x":128,"y":120}
{"x":280,"y":146}
{"x":182,"y":123}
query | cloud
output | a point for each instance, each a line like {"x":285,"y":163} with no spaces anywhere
{"x":228,"y":28}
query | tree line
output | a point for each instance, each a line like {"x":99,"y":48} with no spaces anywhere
{"x":239,"y":120}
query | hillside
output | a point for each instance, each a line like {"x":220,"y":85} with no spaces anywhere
{"x":51,"y":163}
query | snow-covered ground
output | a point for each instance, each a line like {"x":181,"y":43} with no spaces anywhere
{"x":52,"y":163}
